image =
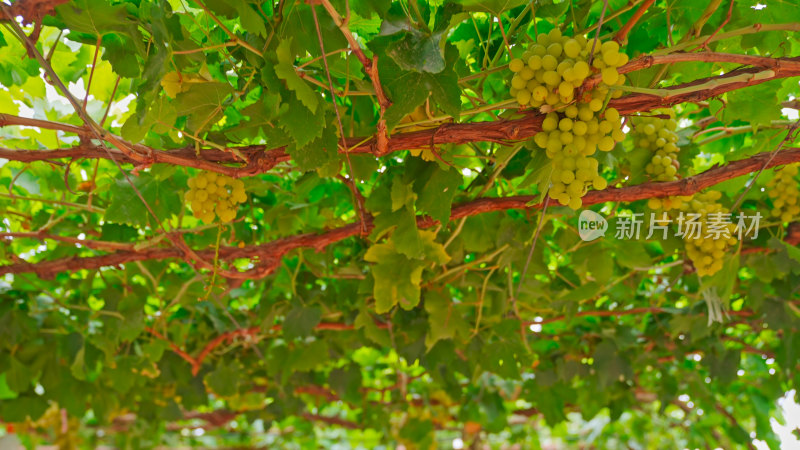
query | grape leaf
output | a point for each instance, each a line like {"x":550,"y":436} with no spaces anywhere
{"x":284,"y":69}
{"x":300,"y":321}
{"x":127,"y":208}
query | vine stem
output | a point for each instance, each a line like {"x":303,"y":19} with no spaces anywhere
{"x":216,"y":262}
{"x":263,"y":158}
{"x":622,"y":34}
{"x":704,"y":44}
{"x":227,"y":31}
{"x":533,"y":244}
{"x":597,"y":35}
{"x":271,"y":253}
{"x":757,"y":28}
{"x":357,"y":198}
{"x":371,"y":68}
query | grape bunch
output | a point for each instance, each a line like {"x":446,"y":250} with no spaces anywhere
{"x":707,"y":251}
{"x":211,"y":194}
{"x":570,"y":141}
{"x":551,"y":70}
{"x":54,"y":426}
{"x":577,"y":124}
{"x":707,"y":242}
{"x":658,"y":135}
{"x":783,"y":192}
{"x":706,"y":237}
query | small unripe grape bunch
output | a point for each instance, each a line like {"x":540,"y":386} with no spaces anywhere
{"x":784,"y":194}
{"x":658,"y":136}
{"x":213,"y":195}
{"x":707,"y":251}
{"x":552,"y":69}
{"x":570,"y":139}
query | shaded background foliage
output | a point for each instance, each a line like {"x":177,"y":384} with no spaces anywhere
{"x":388,"y":295}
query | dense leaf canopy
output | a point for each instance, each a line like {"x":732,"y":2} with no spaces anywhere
{"x":398,"y":272}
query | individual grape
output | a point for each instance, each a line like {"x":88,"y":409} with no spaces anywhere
{"x":599,"y":183}
{"x":551,"y":78}
{"x":610,"y":75}
{"x":549,"y":62}
{"x":526,"y":73}
{"x":535,"y":62}
{"x":572,"y":48}
{"x":555,"y":49}
{"x":518,"y":83}
{"x":606,"y":143}
{"x":523,"y":97}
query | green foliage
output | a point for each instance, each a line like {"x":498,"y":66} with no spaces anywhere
{"x":432,"y":320}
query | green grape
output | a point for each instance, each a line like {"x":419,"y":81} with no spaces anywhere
{"x":518,"y":83}
{"x":550,"y":122}
{"x":610,"y":75}
{"x":200,"y":182}
{"x":551,"y":78}
{"x":526,"y":73}
{"x":571,"y":111}
{"x":563,"y":66}
{"x":611,"y":114}
{"x":606,"y":144}
{"x":565,"y":89}
{"x":609,"y":46}
{"x":599,"y":183}
{"x":554,"y":49}
{"x":654,"y":203}
{"x":549,"y":62}
{"x":572,"y":48}
{"x":534,"y":62}
{"x":523,"y":97}
{"x":516,"y":65}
